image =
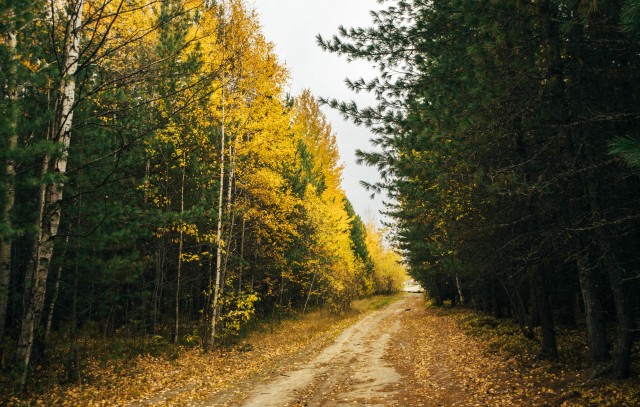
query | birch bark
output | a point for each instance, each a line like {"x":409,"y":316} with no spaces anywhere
{"x":216,"y":288}
{"x":10,"y":175}
{"x":50,"y":209}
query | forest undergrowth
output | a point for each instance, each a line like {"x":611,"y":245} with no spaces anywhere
{"x":115,"y":372}
{"x":531,"y":380}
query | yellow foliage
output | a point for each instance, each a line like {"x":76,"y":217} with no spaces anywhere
{"x":310,"y":124}
{"x":340,"y":272}
{"x":388,"y":272}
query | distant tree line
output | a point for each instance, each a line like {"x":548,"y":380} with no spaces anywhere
{"x":508,"y":134}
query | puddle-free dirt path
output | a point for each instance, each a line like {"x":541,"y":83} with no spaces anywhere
{"x":352,"y":370}
{"x":401,"y":355}
{"x":360,"y":367}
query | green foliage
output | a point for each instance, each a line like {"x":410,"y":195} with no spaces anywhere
{"x":631,"y":17}
{"x":494,"y":126}
{"x":628,"y":148}
{"x":358,"y":233}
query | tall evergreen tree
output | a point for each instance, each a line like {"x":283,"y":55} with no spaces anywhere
{"x":494,"y":131}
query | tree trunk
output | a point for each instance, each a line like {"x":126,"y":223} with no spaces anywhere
{"x":73,"y":367}
{"x":594,"y":317}
{"x":545,"y":315}
{"x":56,"y":291}
{"x":11,"y":44}
{"x":216,"y":287}
{"x":176,"y":327}
{"x":313,"y":279}
{"x":607,"y":262}
{"x":48,"y":225}
{"x":624,"y":329}
{"x":241,"y":256}
{"x":541,"y":298}
{"x":223,"y":274}
{"x":159,"y":281}
{"x":459,"y":287}
{"x":206,"y":325}
{"x":230,"y":210}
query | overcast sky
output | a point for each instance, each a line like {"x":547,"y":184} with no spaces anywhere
{"x":292,"y":26}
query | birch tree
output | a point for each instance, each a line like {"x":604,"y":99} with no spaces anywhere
{"x":49,"y":204}
{"x":10,"y":142}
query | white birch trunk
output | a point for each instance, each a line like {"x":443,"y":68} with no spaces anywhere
{"x":56,"y":291}
{"x":10,"y":175}
{"x":313,"y":280}
{"x":48,"y":226}
{"x":459,"y":287}
{"x":232,"y":165}
{"x":216,"y":287}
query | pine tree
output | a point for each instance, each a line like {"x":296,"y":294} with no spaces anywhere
{"x":492,"y":133}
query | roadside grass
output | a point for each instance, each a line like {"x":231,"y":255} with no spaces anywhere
{"x":120,"y":371}
{"x":565,"y":382}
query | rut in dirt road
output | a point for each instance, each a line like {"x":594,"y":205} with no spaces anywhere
{"x":352,"y":370}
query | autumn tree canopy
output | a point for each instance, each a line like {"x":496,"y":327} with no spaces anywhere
{"x":157,"y":182}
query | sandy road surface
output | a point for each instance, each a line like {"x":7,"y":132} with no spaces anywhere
{"x":353,"y":370}
{"x":404,"y":354}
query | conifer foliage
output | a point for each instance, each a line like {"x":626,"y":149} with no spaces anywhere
{"x":502,"y":129}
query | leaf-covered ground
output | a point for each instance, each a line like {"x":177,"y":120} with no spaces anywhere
{"x":444,"y":357}
{"x":460,"y":358}
{"x":190,"y":376}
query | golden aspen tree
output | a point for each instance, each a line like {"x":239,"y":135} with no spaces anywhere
{"x":388,"y":272}
{"x":324,"y":202}
{"x":246,"y":106}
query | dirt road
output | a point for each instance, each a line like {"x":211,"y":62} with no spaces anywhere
{"x":351,"y":370}
{"x":404,"y":354}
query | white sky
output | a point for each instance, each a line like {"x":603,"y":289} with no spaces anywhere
{"x":292,"y":26}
